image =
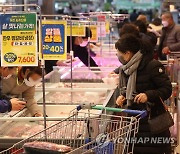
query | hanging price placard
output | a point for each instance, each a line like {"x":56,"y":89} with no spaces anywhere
{"x":77,"y":30}
{"x":54,"y":40}
{"x":18,"y":39}
{"x":107,"y":27}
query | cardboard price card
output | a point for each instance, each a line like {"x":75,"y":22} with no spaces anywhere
{"x":18,"y":39}
{"x":53,"y":37}
{"x":77,"y":30}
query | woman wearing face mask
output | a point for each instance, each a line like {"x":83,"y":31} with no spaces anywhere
{"x":80,"y":48}
{"x":23,"y":85}
{"x":142,"y":80}
{"x":6,"y":103}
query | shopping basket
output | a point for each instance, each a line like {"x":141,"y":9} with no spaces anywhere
{"x":90,"y":133}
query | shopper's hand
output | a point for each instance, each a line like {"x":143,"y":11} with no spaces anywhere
{"x":60,"y":63}
{"x":113,"y":74}
{"x":166,"y":51}
{"x":17,"y":104}
{"x":141,"y":98}
{"x":68,"y":56}
{"x":98,"y":44}
{"x":38,"y":114}
{"x":120,"y":100}
{"x":92,"y":46}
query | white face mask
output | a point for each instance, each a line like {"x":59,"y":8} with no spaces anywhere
{"x":7,"y":77}
{"x":84,"y":44}
{"x":165,"y":23}
{"x":31,"y":82}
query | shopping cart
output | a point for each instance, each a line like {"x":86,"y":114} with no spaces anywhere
{"x":90,"y":133}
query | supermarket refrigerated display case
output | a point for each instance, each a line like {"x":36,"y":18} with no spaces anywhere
{"x":12,"y":131}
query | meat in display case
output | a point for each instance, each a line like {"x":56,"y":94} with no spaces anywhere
{"x":79,"y":74}
{"x":61,"y":93}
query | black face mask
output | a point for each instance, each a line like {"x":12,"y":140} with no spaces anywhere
{"x":122,"y":61}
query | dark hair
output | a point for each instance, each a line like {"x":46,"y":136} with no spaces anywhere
{"x":33,"y":70}
{"x":157,"y":22}
{"x":128,"y":42}
{"x":7,"y":67}
{"x":168,"y":14}
{"x":88,"y":33}
{"x":129,"y":29}
{"x":152,"y":38}
{"x":141,"y":25}
{"x":10,"y":68}
{"x":69,"y":43}
{"x":134,"y":10}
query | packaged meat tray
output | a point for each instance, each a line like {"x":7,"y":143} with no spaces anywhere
{"x":45,"y":148}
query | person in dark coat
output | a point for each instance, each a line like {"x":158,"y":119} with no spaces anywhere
{"x":170,"y":38}
{"x":133,"y":16}
{"x":145,"y":81}
{"x":145,"y":34}
{"x":6,"y":103}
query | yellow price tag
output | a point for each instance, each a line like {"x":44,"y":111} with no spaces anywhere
{"x":107,"y":27}
{"x":94,"y":30}
{"x":76,"y":30}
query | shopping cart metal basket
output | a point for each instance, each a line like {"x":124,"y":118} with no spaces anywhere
{"x":90,"y":133}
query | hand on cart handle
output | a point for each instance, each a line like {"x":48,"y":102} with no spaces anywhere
{"x":120,"y":100}
{"x":141,"y":98}
{"x":85,"y":106}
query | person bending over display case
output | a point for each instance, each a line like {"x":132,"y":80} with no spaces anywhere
{"x":22,"y":85}
{"x":8,"y":104}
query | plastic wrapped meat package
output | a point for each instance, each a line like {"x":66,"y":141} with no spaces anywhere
{"x":77,"y":97}
{"x":45,"y":147}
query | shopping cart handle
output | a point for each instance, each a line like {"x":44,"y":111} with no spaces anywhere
{"x":99,"y":107}
{"x":132,"y":112}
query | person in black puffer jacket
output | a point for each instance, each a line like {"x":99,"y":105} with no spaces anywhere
{"x":145,"y":77}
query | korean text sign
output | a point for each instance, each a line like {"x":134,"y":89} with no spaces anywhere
{"x":54,"y":40}
{"x":18,"y":39}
